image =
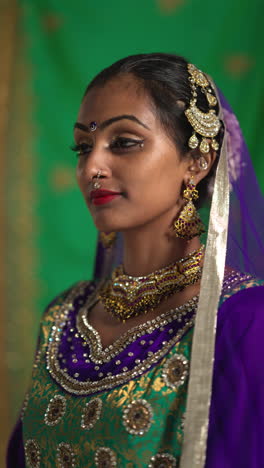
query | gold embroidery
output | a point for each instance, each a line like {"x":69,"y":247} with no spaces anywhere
{"x":163,"y":460}
{"x":92,"y":337}
{"x":121,"y":396}
{"x":175,"y":371}
{"x":32,"y":453}
{"x":24,"y":406}
{"x":236,"y":281}
{"x":91,"y":413}
{"x":65,"y":456}
{"x":137,"y":417}
{"x":105,"y":458}
{"x":87,"y":387}
{"x":55,"y":410}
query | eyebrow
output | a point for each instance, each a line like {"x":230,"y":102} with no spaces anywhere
{"x":110,"y":121}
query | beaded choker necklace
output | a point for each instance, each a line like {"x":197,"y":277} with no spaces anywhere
{"x":125,"y":296}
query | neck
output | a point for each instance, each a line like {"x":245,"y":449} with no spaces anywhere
{"x":148,"y":249}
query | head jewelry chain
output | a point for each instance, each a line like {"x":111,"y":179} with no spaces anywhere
{"x":205,"y":124}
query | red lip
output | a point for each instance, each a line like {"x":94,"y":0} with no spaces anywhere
{"x":100,"y":197}
{"x":102,"y":193}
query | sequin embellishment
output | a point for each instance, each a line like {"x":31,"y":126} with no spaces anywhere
{"x":65,"y":456}
{"x":32,"y":453}
{"x":137,"y":417}
{"x":91,"y":413}
{"x":163,"y":460}
{"x":175,"y":371}
{"x":55,"y":410}
{"x":105,"y":458}
{"x":184,"y":319}
{"x":24,"y":406}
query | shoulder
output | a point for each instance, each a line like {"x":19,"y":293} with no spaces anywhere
{"x":240,"y":326}
{"x":69,"y":295}
{"x":242,"y":300}
{"x":69,"y":298}
{"x":236,"y":282}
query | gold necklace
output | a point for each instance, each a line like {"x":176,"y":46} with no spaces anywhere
{"x":125,"y":296}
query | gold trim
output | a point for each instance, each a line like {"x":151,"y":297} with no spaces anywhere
{"x":91,"y":336}
{"x":87,"y":387}
{"x":201,"y":369}
{"x":8,"y":23}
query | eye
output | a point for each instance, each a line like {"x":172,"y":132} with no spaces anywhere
{"x":81,"y":149}
{"x":121,"y":144}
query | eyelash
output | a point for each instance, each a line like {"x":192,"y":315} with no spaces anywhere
{"x":119,"y":144}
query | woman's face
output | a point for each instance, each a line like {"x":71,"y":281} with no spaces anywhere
{"x":135,"y":156}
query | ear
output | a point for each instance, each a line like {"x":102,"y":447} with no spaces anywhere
{"x":199,"y":165}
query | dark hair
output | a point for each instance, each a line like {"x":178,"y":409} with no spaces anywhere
{"x":166,"y":80}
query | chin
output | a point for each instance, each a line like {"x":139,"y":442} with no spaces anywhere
{"x":104,"y":226}
{"x":106,"y":222}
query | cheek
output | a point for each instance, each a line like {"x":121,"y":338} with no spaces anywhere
{"x":160,"y":182}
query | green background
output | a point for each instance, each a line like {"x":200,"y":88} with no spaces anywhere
{"x":58,"y":48}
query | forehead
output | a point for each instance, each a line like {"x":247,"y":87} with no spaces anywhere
{"x":120,"y":96}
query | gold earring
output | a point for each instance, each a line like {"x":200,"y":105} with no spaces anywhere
{"x":203,"y":164}
{"x":189,"y":224}
{"x":107,"y":239}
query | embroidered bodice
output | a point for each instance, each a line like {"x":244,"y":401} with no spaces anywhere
{"x":118,"y":406}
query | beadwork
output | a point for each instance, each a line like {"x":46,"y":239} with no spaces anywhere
{"x":105,"y":458}
{"x":175,"y":371}
{"x":137,"y":417}
{"x":55,"y":410}
{"x":32,"y":453}
{"x":24,"y":406}
{"x":91,"y":336}
{"x":184,"y":314}
{"x":65,"y":456}
{"x":125,"y":296}
{"x":163,"y":460}
{"x":91,"y":413}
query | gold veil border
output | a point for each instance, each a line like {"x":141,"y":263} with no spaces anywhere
{"x":203,"y":347}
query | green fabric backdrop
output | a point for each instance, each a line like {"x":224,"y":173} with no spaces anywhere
{"x":59,"y":47}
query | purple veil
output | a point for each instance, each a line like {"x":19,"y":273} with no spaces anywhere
{"x":245,"y":246}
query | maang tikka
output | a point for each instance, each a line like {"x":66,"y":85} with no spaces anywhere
{"x":189,"y":225}
{"x":206,"y":124}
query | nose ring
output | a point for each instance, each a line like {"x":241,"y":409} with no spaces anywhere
{"x":95,"y":183}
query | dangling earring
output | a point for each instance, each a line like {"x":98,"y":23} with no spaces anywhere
{"x":107,"y":239}
{"x":203,"y":164}
{"x":189,"y":224}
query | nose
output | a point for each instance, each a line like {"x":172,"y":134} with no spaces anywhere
{"x":96,"y":164}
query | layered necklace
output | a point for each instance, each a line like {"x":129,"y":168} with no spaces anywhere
{"x":125,"y":296}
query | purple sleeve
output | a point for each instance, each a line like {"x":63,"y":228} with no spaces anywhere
{"x":15,"y":450}
{"x":236,"y":428}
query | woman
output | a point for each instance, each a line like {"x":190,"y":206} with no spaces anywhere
{"x":112,"y":370}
